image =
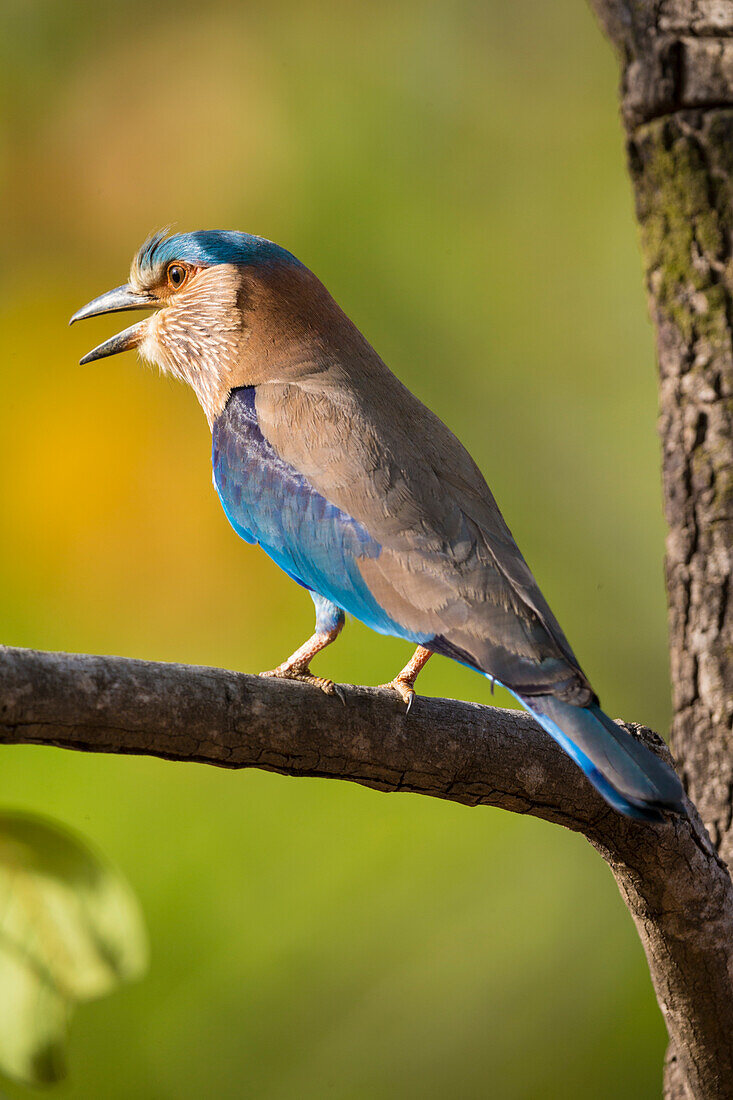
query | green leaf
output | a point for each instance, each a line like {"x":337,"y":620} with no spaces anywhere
{"x":70,"y":930}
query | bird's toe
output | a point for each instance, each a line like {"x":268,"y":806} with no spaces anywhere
{"x":305,"y":676}
{"x":327,"y":686}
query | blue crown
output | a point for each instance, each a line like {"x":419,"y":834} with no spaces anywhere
{"x":208,"y":247}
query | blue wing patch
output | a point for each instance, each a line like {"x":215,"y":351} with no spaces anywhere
{"x":268,"y":501}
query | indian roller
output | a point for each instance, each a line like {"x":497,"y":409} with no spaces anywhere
{"x":359,"y":492}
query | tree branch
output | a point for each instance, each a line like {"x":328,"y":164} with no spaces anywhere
{"x":459,"y":751}
{"x":670,"y":876}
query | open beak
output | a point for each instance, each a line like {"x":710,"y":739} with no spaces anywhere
{"x":115,"y":301}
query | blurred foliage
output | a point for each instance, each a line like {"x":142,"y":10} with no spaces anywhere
{"x":70,"y":931}
{"x":454,"y":172}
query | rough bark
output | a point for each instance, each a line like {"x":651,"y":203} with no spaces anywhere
{"x":677,"y":107}
{"x":675,"y":885}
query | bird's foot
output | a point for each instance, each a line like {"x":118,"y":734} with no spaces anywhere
{"x":404,"y":681}
{"x":305,"y":676}
{"x":404,"y":689}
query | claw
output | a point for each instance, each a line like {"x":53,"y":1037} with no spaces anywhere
{"x":339,"y":693}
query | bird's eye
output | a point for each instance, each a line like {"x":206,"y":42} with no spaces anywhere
{"x":176,"y":275}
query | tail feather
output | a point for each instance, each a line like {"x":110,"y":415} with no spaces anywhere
{"x":628,"y":774}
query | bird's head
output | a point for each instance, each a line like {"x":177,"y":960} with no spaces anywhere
{"x":231,"y":309}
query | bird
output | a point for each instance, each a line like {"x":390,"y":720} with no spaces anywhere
{"x":359,"y":492}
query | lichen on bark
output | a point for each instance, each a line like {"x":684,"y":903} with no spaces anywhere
{"x":681,"y":205}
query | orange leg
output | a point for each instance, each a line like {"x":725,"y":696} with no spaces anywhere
{"x":404,"y":682}
{"x":297,"y":665}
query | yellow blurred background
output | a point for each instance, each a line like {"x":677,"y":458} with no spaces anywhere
{"x":454,"y":173}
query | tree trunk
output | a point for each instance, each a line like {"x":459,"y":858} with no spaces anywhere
{"x":677,"y":107}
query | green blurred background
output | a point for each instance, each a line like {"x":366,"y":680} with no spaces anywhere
{"x":454,"y":172}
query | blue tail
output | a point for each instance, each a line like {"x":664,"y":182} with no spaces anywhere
{"x":630,"y":776}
